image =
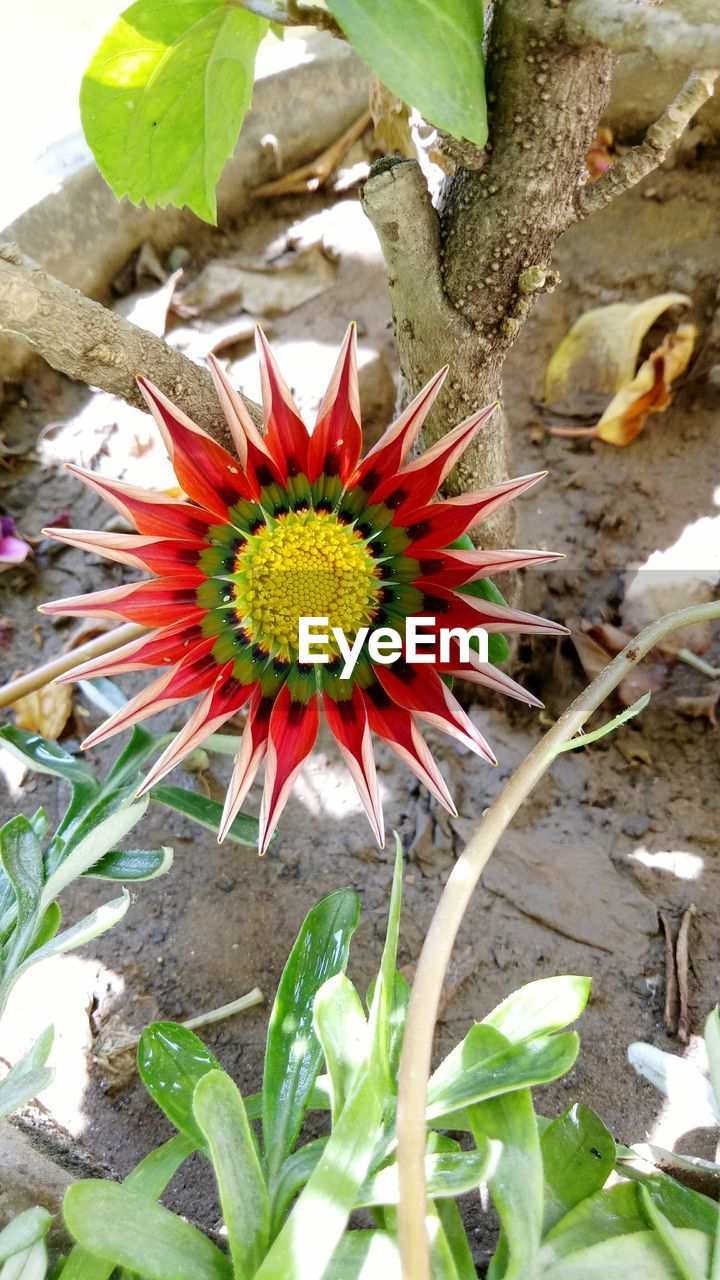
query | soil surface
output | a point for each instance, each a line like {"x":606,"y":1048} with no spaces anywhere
{"x":579,"y":881}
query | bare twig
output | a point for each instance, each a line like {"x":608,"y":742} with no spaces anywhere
{"x":672,"y":998}
{"x":49,"y":671}
{"x":314,"y":175}
{"x":88,"y":342}
{"x":636,"y":163}
{"x":435,"y":955}
{"x":682,"y":957}
{"x":626,"y":27}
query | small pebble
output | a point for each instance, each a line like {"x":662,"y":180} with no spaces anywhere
{"x":635,"y":825}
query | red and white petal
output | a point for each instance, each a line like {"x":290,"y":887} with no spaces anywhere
{"x":154,"y":555}
{"x":255,"y":458}
{"x":293,"y":730}
{"x":398,"y":728}
{"x":420,"y":480}
{"x":220,"y":702}
{"x":484,"y":673}
{"x":455,"y":568}
{"x":190,"y":677}
{"x":440,"y":523}
{"x":455,"y":609}
{"x":150,"y":511}
{"x":349,"y":726}
{"x":153,"y":603}
{"x":420,"y":689}
{"x":336,"y":440}
{"x":253,"y":748}
{"x":207,"y":472}
{"x":286,"y":435}
{"x":391,"y":450}
{"x":163,"y":648}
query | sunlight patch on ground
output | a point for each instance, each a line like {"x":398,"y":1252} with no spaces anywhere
{"x":679,"y":862}
{"x":61,"y":991}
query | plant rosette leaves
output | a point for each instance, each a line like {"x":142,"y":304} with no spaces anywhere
{"x":164,"y":97}
{"x":430,"y":55}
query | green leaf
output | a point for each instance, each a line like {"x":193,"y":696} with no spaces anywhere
{"x":341,"y":1027}
{"x":381,"y":1008}
{"x":293,"y":1175}
{"x":686,"y":1267}
{"x":132,"y":864}
{"x":578,"y":1155}
{"x":171,"y":1062}
{"x":24,"y":1231}
{"x":519,"y":1066}
{"x":90,"y":927}
{"x":428,"y":54}
{"x":456,"y":1237}
{"x":31,"y":1264}
{"x":206,"y":813}
{"x":367,"y":1255}
{"x":293,"y":1054}
{"x":165,"y":95}
{"x":45,"y":757}
{"x":450,"y":1173}
{"x":47,"y":928}
{"x":123,"y":1226}
{"x":219,"y":1111}
{"x":516,"y":1184}
{"x":541,"y":1007}
{"x":21,"y":858}
{"x":615,"y":1211}
{"x":150,"y":1178}
{"x":640,"y":1254}
{"x":101,"y":836}
{"x":308,"y":1240}
{"x":141,"y":744}
{"x":28,"y":1076}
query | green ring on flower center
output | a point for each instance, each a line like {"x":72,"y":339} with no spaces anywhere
{"x":304,"y":564}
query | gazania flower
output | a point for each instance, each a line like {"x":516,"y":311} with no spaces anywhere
{"x":296,"y":525}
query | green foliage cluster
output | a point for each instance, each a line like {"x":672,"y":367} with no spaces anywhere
{"x":286,"y":1203}
{"x":167,"y":90}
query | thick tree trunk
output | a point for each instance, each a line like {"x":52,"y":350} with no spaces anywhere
{"x":463,"y":279}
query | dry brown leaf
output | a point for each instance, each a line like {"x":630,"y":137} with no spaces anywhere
{"x":600,"y":158}
{"x":599,"y":354}
{"x":46,"y":711}
{"x":648,"y":392}
{"x":391,"y":120}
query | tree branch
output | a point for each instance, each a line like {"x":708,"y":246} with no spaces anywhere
{"x":636,"y":163}
{"x":638,"y":28}
{"x":88,"y":342}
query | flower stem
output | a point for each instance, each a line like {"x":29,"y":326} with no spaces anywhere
{"x":435,"y":955}
{"x":40,"y":676}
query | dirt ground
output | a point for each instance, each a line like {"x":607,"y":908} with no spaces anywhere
{"x":578,"y":882}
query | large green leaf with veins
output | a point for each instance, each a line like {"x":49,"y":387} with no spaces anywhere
{"x":429,"y":52}
{"x":165,"y":95}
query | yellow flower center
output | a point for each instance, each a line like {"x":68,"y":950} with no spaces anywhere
{"x":305,"y":565}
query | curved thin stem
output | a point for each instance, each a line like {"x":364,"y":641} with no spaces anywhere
{"x":40,"y":676}
{"x":435,"y":955}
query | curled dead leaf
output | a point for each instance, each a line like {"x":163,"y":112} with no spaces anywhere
{"x":599,"y":354}
{"x":700,"y":708}
{"x":46,"y":711}
{"x":648,"y":392}
{"x":600,"y":157}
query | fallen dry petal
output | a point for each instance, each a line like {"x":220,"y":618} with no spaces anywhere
{"x":46,"y":711}
{"x":648,"y":392}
